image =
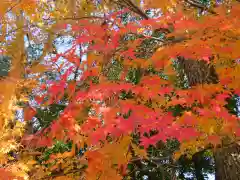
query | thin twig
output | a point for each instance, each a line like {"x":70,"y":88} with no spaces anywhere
{"x":83,"y":17}
{"x":131,"y":6}
{"x":12,"y":7}
{"x":151,"y":158}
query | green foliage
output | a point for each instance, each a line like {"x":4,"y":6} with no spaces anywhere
{"x":231,"y":105}
{"x":95,"y":79}
{"x":58,"y":147}
{"x":5,"y":64}
{"x":50,"y":113}
{"x":176,"y":110}
{"x":114,"y":71}
{"x":134,"y":75}
{"x":148,"y":46}
{"x":126,"y":95}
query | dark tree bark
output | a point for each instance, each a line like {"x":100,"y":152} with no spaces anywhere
{"x":197,"y":71}
{"x":227,"y":163}
{"x":227,"y":159}
{"x":197,"y":165}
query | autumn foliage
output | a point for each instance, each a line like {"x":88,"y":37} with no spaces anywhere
{"x":102,"y":115}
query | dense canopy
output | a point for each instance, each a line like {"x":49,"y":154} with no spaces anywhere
{"x":119,"y":89}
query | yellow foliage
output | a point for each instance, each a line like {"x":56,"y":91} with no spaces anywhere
{"x":140,"y":152}
{"x":63,"y":178}
{"x":163,"y":4}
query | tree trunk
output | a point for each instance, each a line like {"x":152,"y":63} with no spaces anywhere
{"x":197,"y":165}
{"x":227,"y":163}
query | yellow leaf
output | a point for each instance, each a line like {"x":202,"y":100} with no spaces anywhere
{"x":39,"y":68}
{"x":177,"y":155}
{"x":31,"y":162}
{"x":163,"y":4}
{"x":63,"y":178}
{"x":140,"y":152}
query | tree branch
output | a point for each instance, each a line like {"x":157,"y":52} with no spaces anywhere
{"x":13,"y":6}
{"x":131,"y":6}
{"x":200,"y":6}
